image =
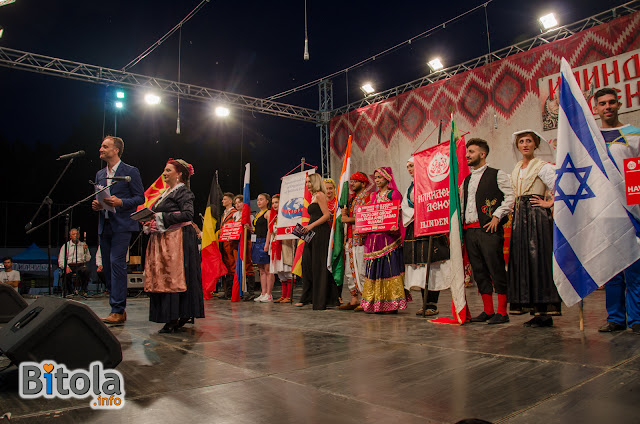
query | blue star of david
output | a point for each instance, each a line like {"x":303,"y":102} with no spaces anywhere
{"x":582,"y":175}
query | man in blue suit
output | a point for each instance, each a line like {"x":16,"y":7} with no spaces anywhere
{"x":115,"y":228}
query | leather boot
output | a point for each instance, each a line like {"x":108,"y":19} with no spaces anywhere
{"x":228,"y":286}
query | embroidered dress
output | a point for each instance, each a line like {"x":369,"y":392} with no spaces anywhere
{"x":383,"y":289}
{"x":531,"y":287}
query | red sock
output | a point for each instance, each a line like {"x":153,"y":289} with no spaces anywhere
{"x":286,"y":290}
{"x":502,"y":304}
{"x":487,"y":300}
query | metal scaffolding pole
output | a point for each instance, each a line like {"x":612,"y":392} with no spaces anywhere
{"x":325,"y":90}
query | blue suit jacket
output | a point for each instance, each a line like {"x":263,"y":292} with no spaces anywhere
{"x":131,"y":193}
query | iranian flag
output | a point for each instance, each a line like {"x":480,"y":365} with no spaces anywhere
{"x":335,"y":257}
{"x":461,"y":312}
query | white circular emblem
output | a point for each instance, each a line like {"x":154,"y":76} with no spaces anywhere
{"x":438,"y":168}
{"x":631,"y":165}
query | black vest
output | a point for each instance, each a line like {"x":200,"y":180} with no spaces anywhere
{"x":489,"y":197}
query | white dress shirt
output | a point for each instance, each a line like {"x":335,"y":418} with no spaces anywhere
{"x":504,"y":184}
{"x":111,"y":173}
{"x":77,"y":253}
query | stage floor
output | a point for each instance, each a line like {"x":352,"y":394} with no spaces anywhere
{"x":271,"y":363}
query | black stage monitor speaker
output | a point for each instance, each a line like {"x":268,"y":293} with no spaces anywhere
{"x":11,"y":303}
{"x":65,"y":331}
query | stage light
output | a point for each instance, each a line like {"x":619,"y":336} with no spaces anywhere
{"x":6,"y":2}
{"x":435,"y":64}
{"x":1,"y":31}
{"x":548,"y":21}
{"x":367,"y":88}
{"x":120,"y":94}
{"x":152,"y":99}
{"x":119,"y":105}
{"x":222,"y":111}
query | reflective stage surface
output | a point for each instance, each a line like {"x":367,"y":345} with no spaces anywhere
{"x":255,"y":363}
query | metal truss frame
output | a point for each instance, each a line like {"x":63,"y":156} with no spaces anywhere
{"x":325,"y":91}
{"x":523,"y":46}
{"x":16,"y":59}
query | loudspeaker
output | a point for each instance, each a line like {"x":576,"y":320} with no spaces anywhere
{"x":11,"y":303}
{"x":62,"y":330}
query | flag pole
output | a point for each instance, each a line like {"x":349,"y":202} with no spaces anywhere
{"x":581,"y":313}
{"x":243,"y":284}
{"x":426,"y":283}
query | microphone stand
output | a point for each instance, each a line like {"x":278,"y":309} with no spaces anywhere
{"x":51,"y":218}
{"x":47,"y":201}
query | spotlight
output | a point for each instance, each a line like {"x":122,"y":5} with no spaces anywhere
{"x":120,"y":94}
{"x":1,"y":31}
{"x":119,"y":105}
{"x":152,"y":99}
{"x":548,"y":21}
{"x":367,"y":88}
{"x":435,"y":64}
{"x":222,"y":111}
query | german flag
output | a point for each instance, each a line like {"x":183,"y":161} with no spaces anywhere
{"x":212,"y":266}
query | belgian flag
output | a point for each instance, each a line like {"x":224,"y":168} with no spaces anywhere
{"x":212,"y":266}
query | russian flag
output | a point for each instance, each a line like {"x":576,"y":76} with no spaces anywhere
{"x":239,"y":278}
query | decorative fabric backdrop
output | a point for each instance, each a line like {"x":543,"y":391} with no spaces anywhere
{"x":490,"y":102}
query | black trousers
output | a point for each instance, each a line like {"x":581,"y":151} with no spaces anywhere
{"x":486,"y":256}
{"x":82,"y":273}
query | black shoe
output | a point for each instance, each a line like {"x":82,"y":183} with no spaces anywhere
{"x":483,"y":317}
{"x":635,"y":328}
{"x":170,"y":327}
{"x":498,"y":319}
{"x":539,"y":321}
{"x":610,"y":327}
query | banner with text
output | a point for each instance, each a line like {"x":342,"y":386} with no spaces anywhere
{"x":377,"y":217}
{"x":431,"y":195}
{"x":230,"y":231}
{"x":291,"y":203}
{"x":621,"y":72}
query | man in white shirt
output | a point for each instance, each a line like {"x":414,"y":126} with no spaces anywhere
{"x":9,"y":275}
{"x":487,"y":199}
{"x":623,"y":142}
{"x":73,"y":258}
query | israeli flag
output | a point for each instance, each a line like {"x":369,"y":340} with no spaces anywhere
{"x":594,"y":236}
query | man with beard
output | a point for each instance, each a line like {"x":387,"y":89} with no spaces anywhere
{"x":354,"y":246}
{"x":487,"y":200}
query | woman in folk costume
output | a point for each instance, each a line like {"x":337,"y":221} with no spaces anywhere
{"x":318,"y":287}
{"x":415,"y":250}
{"x":383,"y":289}
{"x":260,"y":248}
{"x":172,"y":267}
{"x":531,"y":287}
{"x":281,"y":253}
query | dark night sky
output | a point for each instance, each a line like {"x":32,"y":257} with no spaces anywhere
{"x":251,"y":47}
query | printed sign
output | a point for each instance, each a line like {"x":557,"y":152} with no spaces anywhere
{"x":632,"y":180}
{"x":230,"y":231}
{"x":291,"y":203}
{"x":377,"y":217}
{"x":431,"y":195}
{"x":621,"y":72}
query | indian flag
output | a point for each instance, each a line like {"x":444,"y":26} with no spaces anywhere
{"x":335,"y":257}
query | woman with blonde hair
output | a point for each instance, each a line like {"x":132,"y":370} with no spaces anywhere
{"x":318,"y":287}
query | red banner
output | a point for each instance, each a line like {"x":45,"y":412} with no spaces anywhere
{"x":632,"y":180}
{"x":431,"y":195}
{"x":377,"y":217}
{"x":230,"y":231}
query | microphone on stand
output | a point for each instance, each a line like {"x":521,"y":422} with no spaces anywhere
{"x":127,"y":178}
{"x":73,"y":155}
